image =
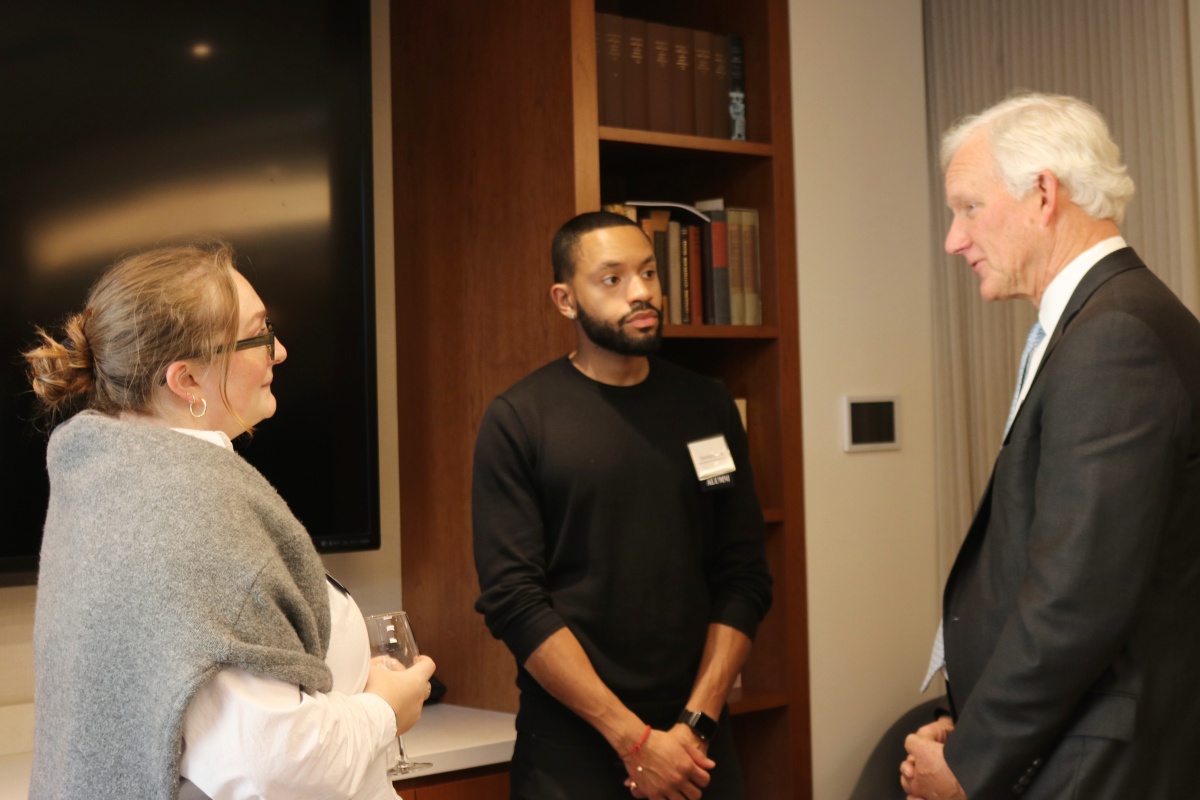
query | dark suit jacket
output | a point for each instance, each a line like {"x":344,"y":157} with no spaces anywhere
{"x":1072,"y":633}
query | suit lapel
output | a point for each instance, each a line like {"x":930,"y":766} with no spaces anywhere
{"x":1112,"y":264}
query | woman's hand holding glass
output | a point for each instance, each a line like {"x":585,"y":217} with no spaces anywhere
{"x":404,"y":689}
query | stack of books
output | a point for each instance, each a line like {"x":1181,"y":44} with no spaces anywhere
{"x":671,"y":79}
{"x":708,"y":259}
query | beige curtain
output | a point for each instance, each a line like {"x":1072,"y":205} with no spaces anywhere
{"x":1130,"y":59}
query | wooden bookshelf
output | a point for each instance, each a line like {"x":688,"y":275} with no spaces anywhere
{"x":497,"y":143}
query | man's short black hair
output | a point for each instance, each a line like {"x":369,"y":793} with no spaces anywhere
{"x":566,"y":241}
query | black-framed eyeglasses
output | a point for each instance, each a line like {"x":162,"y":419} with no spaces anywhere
{"x":267,"y":339}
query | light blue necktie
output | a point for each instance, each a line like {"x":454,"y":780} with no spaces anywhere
{"x":1036,"y":335}
{"x":937,"y":658}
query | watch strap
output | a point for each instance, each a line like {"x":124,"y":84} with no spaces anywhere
{"x":701,"y":724}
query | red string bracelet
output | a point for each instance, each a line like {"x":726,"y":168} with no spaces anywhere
{"x":637,"y":750}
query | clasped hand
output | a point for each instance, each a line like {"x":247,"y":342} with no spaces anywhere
{"x":925,"y":775}
{"x":672,"y":765}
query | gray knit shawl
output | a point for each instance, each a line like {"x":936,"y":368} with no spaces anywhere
{"x":164,"y":559}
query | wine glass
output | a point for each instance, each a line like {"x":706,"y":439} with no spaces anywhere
{"x":391,"y":635}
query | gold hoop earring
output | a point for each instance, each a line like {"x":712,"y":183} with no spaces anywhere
{"x":192,"y":407}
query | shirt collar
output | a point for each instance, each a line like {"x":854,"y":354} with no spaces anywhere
{"x":215,"y":437}
{"x":1058,"y":293}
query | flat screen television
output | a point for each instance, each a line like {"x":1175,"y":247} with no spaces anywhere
{"x":128,"y":125}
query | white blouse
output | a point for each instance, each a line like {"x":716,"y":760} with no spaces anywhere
{"x":250,"y":736}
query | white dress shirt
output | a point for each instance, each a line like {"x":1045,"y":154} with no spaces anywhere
{"x":250,"y":736}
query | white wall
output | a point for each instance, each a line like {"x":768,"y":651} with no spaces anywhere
{"x":862,"y":202}
{"x":16,"y":645}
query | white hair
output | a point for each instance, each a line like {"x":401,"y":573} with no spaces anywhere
{"x":1029,"y":133}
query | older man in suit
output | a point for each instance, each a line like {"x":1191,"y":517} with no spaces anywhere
{"x":1071,"y":640}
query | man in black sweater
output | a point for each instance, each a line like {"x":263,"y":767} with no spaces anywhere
{"x":619,"y":544}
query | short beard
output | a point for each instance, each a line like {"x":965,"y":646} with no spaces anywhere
{"x":615,"y":339}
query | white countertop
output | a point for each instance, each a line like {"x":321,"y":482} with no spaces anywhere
{"x":455,"y":737}
{"x":449,"y":737}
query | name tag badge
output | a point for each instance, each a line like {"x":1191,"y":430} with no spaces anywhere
{"x":713,"y":462}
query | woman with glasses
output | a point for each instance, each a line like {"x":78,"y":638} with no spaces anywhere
{"x":187,"y":641}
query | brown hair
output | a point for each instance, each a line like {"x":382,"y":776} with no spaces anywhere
{"x":145,"y":312}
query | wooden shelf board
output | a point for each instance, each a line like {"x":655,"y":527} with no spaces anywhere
{"x":681,"y":141}
{"x":773,"y":515}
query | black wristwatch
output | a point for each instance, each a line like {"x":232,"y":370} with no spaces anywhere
{"x":701,"y":724}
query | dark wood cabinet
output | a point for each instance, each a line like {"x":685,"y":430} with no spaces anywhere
{"x":483,"y":783}
{"x":497,"y":143}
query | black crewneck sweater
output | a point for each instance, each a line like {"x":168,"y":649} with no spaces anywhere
{"x":588,"y":513}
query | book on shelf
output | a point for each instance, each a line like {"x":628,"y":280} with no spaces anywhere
{"x":668,"y":78}
{"x":737,"y":269}
{"x":716,"y":263}
{"x":703,"y":81}
{"x":609,"y":61}
{"x":658,"y":77}
{"x":751,"y":267}
{"x":737,"y":89}
{"x":684,"y":295}
{"x":744,"y":267}
{"x":720,"y":91}
{"x":716,"y":273}
{"x":733,"y":241}
{"x":683,"y":84}
{"x":673,"y":287}
{"x":633,"y":73}
{"x":693,"y":268}
{"x":710,"y":265}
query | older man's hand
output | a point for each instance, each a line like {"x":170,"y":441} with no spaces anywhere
{"x":925,"y":775}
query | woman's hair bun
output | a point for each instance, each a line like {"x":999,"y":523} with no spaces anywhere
{"x":61,"y":373}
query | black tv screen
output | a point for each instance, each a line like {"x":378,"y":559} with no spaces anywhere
{"x":134,"y":124}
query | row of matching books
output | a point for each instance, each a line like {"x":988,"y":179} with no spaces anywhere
{"x":708,"y":259}
{"x":668,"y":78}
